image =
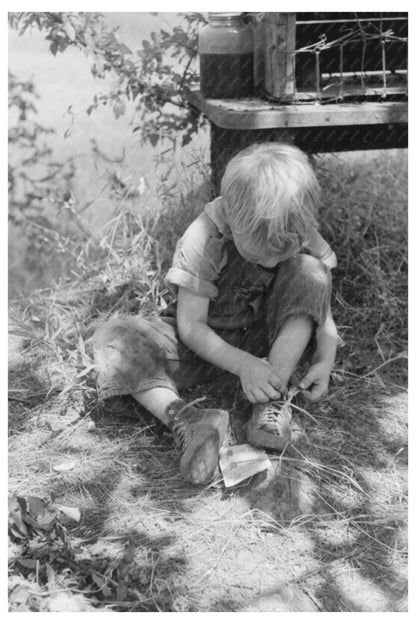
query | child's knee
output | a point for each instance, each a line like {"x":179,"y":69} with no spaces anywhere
{"x":310,"y":267}
{"x":131,"y":335}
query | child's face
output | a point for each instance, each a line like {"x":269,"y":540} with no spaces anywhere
{"x":265,"y":255}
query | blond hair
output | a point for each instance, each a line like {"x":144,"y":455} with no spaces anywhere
{"x":271,"y":193}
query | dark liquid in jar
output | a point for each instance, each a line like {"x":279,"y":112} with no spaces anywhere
{"x":226,"y":75}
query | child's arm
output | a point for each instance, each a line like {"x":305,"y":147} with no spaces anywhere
{"x":317,"y":246}
{"x":258,"y":379}
{"x":316,"y":381}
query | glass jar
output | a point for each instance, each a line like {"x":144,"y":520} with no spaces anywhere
{"x":225,"y":48}
{"x":257,"y":25}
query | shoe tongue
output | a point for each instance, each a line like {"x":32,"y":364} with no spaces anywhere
{"x":276,"y":419}
{"x":271,"y":427}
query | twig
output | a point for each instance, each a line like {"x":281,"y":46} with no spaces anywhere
{"x":330,"y":470}
{"x":300,"y":409}
{"x":401,"y":356}
{"x":24,"y":401}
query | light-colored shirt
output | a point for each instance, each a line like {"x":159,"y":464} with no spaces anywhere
{"x":203,"y":251}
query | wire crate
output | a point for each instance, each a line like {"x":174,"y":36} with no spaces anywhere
{"x":333,"y":56}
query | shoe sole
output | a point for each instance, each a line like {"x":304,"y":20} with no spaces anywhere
{"x":221,"y":424}
{"x":261,"y":439}
{"x":199,"y":463}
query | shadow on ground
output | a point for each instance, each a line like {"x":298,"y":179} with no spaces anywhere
{"x":323,"y":531}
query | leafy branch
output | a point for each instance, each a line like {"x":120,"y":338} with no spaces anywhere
{"x":154,"y":77}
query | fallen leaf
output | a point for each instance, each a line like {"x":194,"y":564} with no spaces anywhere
{"x":28,"y":563}
{"x":97,"y":580}
{"x":70,"y":512}
{"x":17,"y":526}
{"x":64,"y":601}
{"x":36,"y":505}
{"x":106,"y":591}
{"x":65,"y":466}
{"x":19,"y":594}
{"x":121,"y":592}
{"x":14,"y":550}
{"x":18,"y":534}
{"x":47,"y":517}
{"x":51,"y":577}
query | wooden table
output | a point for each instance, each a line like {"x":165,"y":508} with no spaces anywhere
{"x":312,"y":126}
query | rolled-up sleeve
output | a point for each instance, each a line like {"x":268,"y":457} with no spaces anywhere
{"x":198,"y":259}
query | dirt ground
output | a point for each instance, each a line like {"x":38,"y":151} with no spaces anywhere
{"x":324,"y":530}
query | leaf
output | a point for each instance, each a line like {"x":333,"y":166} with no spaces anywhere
{"x":153,"y":138}
{"x":101,"y":582}
{"x":14,"y":550}
{"x":70,"y":512}
{"x":129,"y":552}
{"x":13,"y":505}
{"x":65,"y":601}
{"x":18,"y":535}
{"x":106,"y":591}
{"x":20,"y":594}
{"x":47,"y":517}
{"x":125,"y":49}
{"x":17,"y":526}
{"x":97,"y":580}
{"x":99,"y":67}
{"x":51,"y":576}
{"x":56,"y":46}
{"x":36,"y":505}
{"x":65,"y":466}
{"x":70,"y":31}
{"x":119,"y":109}
{"x":81,"y":347}
{"x":121,"y":592}
{"x":28,"y":563}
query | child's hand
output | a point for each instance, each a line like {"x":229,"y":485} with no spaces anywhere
{"x":259,"y":380}
{"x":315,"y":383}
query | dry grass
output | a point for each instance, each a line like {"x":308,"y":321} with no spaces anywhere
{"x":324,"y":531}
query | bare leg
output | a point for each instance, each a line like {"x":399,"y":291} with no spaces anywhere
{"x":200,"y":433}
{"x":270,"y":427}
{"x":156,"y":400}
{"x":290,"y":344}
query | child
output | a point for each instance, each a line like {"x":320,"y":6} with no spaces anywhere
{"x":253,"y":291}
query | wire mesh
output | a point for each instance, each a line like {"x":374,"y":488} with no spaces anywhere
{"x":349,"y":57}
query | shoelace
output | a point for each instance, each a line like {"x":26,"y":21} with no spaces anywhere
{"x":275,"y":414}
{"x":179,"y":435}
{"x":179,"y":427}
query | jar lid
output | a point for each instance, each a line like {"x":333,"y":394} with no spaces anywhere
{"x":223,"y":15}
